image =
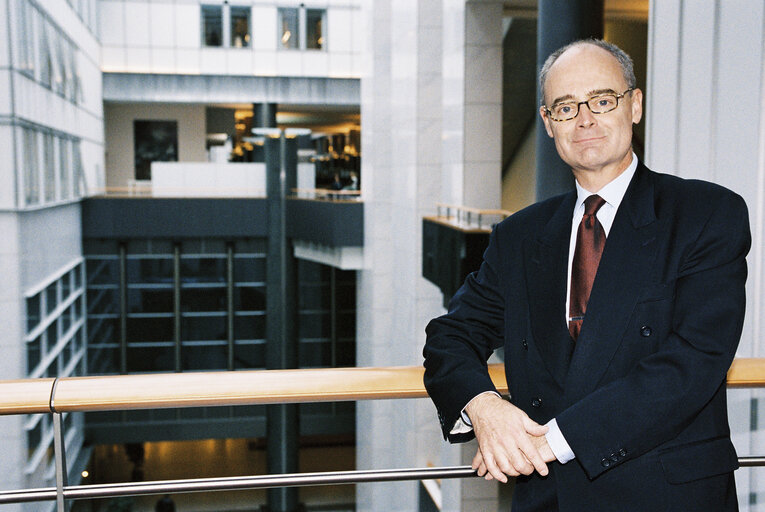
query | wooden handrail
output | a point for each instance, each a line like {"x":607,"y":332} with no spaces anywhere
{"x":166,"y":390}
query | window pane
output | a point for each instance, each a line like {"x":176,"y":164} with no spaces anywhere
{"x":49,"y":166}
{"x":64,"y":167}
{"x":249,"y":355}
{"x":149,"y":329}
{"x":34,"y":354}
{"x":46,"y":57}
{"x":51,"y":298}
{"x":150,"y":300}
{"x":203,"y":270}
{"x":212,"y":25}
{"x":203,"y":328}
{"x":288,"y":28}
{"x":249,"y":269}
{"x":150,"y":271}
{"x":151,"y":359}
{"x":250,"y":327}
{"x":31,"y":167}
{"x":250,"y":298}
{"x":314,"y":24}
{"x":201,"y":357}
{"x":33,"y":312}
{"x":240,"y":27}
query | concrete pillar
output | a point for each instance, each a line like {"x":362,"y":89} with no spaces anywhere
{"x":472,"y":103}
{"x":559,"y":23}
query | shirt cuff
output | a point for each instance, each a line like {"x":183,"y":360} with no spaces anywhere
{"x":463,"y":424}
{"x":558,"y":443}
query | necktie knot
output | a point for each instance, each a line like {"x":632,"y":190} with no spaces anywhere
{"x":592,"y":204}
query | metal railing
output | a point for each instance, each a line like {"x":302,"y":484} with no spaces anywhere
{"x":154,"y":391}
{"x":466,"y":217}
{"x":327,"y":194}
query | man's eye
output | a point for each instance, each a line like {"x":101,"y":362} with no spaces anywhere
{"x":564,"y":109}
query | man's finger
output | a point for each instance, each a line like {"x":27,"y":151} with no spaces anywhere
{"x":534,"y":428}
{"x":534,"y":457}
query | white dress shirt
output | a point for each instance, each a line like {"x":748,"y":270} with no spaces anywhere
{"x":612,"y":193}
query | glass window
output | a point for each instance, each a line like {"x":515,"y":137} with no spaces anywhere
{"x":288,"y":28}
{"x":46,"y":55}
{"x":26,"y":39}
{"x":49,"y":166}
{"x":52,"y":337}
{"x":64,"y":168}
{"x":314,"y":28}
{"x":212,"y":25}
{"x":33,"y":311}
{"x":77,"y":170}
{"x":31,"y":166}
{"x":51,"y":298}
{"x":150,"y":270}
{"x":240,"y":27}
{"x":34,"y":354}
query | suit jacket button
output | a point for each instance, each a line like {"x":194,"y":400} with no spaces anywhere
{"x":536,"y":403}
{"x":605,"y":463}
{"x":614,"y":458}
{"x":645,"y":331}
{"x":623,"y":452}
{"x":525,"y":344}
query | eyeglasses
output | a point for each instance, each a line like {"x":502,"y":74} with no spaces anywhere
{"x":600,"y":104}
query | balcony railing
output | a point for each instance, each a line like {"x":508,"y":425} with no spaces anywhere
{"x":467,"y":218}
{"x":154,"y":391}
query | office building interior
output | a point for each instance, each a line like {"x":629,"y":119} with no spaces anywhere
{"x":137,"y":201}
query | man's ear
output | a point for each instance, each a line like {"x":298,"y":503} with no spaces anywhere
{"x":637,"y":106}
{"x":546,"y":121}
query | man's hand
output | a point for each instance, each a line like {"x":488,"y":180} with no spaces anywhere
{"x":509,"y":442}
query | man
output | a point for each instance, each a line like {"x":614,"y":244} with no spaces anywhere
{"x":619,"y":316}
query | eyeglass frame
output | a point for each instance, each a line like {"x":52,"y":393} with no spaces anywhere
{"x":586,"y":102}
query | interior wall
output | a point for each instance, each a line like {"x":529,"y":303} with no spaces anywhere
{"x":520,"y":181}
{"x":118,"y":125}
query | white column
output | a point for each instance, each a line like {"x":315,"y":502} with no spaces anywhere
{"x":706,"y":119}
{"x":472,"y":103}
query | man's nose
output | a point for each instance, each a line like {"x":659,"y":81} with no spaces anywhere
{"x":585,"y":117}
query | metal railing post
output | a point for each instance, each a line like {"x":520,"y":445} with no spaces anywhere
{"x":59,"y":448}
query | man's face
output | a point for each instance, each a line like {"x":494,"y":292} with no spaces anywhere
{"x":591,"y":142}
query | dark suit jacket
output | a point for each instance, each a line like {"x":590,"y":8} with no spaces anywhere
{"x":640,"y":397}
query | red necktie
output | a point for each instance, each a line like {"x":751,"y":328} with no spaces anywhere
{"x":590,"y":239}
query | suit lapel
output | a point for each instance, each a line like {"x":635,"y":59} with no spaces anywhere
{"x":627,"y":259}
{"x":546,"y":259}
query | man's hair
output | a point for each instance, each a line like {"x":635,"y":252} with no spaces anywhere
{"x":625,"y":62}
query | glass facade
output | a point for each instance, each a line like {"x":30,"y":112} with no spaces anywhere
{"x":301,"y":28}
{"x":200,"y":305}
{"x":45,"y":54}
{"x":55,"y":347}
{"x":51,"y":163}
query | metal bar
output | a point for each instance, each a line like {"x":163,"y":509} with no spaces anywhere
{"x":123,"y":308}
{"x":255,"y":482}
{"x":230,"y":304}
{"x":236,"y":483}
{"x":751,"y":462}
{"x":177,"y":305}
{"x":59,"y":447}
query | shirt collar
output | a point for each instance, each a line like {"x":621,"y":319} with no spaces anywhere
{"x":614,"y":191}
